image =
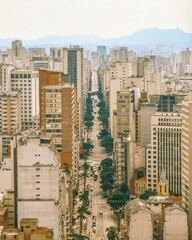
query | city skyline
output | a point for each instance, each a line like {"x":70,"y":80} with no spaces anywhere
{"x":40,"y":19}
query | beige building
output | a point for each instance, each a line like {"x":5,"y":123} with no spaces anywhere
{"x":10,"y":111}
{"x":28,"y":230}
{"x":157,"y":218}
{"x":165,"y":151}
{"x":138,"y":221}
{"x":123,"y":129}
{"x":5,"y":76}
{"x":59,"y":117}
{"x":187,"y":157}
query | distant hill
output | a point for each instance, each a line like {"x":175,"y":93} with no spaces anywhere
{"x":143,"y":36}
{"x":154,"y":36}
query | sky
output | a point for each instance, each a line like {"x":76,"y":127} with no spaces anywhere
{"x":30,"y":19}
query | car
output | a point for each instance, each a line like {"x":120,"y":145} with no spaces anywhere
{"x":94,"y":224}
{"x":91,"y":188}
{"x":101,"y":212}
{"x":94,"y":229}
{"x":94,"y":217}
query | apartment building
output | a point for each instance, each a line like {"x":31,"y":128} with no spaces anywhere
{"x":187,"y":157}
{"x":59,"y":121}
{"x":38,"y":183}
{"x":73,"y":66}
{"x":27,"y":82}
{"x":165,"y":151}
{"x":10,"y":124}
{"x":125,"y":128}
{"x":5,"y":76}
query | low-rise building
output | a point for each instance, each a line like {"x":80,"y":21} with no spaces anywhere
{"x":157,"y":218}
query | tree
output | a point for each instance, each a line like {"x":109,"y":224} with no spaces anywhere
{"x":107,"y":162}
{"x":84,"y":175}
{"x":117,"y":201}
{"x":107,"y":143}
{"x":123,"y":187}
{"x":103,"y":133}
{"x":82,"y":211}
{"x":111,"y":233}
{"x":107,"y":187}
{"x":147,"y":194}
{"x":85,"y":166}
{"x":84,"y":197}
{"x":88,"y":124}
{"x":78,"y":237}
{"x":87,"y":146}
{"x":66,"y":168}
{"x":88,"y":117}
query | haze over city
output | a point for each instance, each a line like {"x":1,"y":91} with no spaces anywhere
{"x":33,"y":19}
{"x":96,"y":120}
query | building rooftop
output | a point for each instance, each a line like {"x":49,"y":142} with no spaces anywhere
{"x":136,"y":205}
{"x":159,"y":199}
{"x":41,"y":230}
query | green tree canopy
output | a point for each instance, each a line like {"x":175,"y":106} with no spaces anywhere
{"x":111,"y":233}
{"x":106,"y":163}
{"x":103,"y":133}
{"x":117,"y":200}
{"x":107,"y":187}
{"x":123,"y":187}
{"x":78,"y":237}
{"x":147,"y":194}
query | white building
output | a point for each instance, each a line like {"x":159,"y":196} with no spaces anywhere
{"x":27,"y":82}
{"x":165,"y":151}
{"x":5,"y":76}
{"x":175,"y":223}
{"x":38,"y":170}
{"x":138,"y":220}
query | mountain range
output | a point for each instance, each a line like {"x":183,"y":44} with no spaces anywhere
{"x":140,"y":37}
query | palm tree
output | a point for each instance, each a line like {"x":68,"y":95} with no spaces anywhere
{"x":84,"y":197}
{"x":112,"y":233}
{"x":82,"y":211}
{"x":84,"y":175}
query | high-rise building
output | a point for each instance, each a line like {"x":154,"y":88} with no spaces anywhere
{"x":58,"y":116}
{"x":27,"y":82}
{"x":16,"y":47}
{"x":60,"y":123}
{"x":39,"y":183}
{"x":125,"y":128}
{"x":10,"y":124}
{"x":73,"y":66}
{"x":165,"y":151}
{"x":187,"y":157}
{"x":101,"y":50}
{"x":5,"y":76}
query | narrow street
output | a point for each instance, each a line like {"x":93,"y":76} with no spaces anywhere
{"x":99,"y":206}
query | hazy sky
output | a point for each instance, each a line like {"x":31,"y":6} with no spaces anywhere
{"x":106,"y":18}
